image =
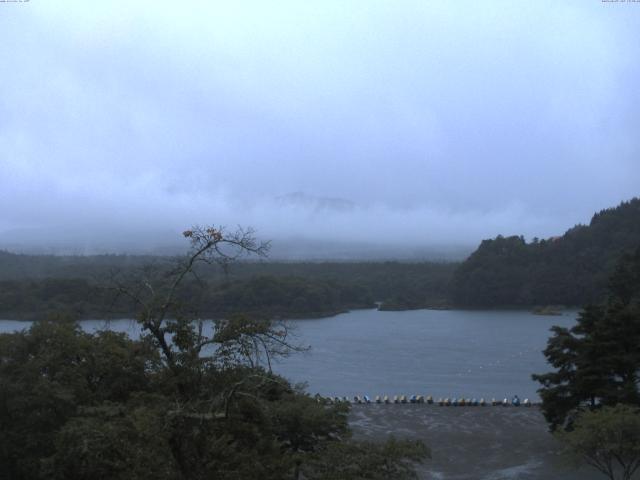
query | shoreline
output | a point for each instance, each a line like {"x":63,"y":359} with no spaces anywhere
{"x":21,"y":317}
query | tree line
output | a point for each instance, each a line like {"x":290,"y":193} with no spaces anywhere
{"x":278,"y":290}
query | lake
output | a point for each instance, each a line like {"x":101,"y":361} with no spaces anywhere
{"x":443,"y":353}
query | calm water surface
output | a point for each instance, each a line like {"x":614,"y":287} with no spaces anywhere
{"x":441,"y":353}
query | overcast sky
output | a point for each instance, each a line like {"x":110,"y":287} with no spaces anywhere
{"x":395,"y":122}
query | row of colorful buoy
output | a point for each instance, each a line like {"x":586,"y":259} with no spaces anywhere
{"x":443,"y":402}
{"x":472,"y":402}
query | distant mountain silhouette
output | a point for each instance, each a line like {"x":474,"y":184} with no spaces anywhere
{"x":311,"y":202}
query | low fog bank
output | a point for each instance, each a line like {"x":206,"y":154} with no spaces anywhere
{"x":300,"y":226}
{"x":368,"y":130}
{"x":300,"y":249}
{"x":286,"y":249}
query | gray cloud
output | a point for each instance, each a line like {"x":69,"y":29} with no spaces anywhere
{"x":435,"y":123}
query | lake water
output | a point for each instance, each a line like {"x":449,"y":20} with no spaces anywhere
{"x":447,"y":353}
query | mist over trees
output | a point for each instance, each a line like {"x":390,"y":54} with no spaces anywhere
{"x":507,"y":271}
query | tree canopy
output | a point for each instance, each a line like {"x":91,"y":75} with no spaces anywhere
{"x":597,"y":362}
{"x":571,"y":269}
{"x":607,"y":439}
{"x":181,"y":402}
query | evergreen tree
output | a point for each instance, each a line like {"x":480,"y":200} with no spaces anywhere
{"x":597,"y":361}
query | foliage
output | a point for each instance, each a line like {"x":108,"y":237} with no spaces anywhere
{"x":267,"y":289}
{"x":568,"y":270}
{"x":597,"y":362}
{"x":79,"y":405}
{"x":607,"y":439}
{"x":180,"y":403}
{"x":48,"y":373}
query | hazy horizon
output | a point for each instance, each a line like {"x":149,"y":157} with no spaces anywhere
{"x":382,"y":130}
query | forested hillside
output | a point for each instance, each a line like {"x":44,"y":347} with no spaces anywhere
{"x":567,"y":270}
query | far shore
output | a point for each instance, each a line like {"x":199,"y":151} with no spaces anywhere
{"x":565,"y":310}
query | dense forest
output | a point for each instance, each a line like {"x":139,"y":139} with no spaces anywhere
{"x":33,"y":286}
{"x":506,"y":271}
{"x":569,"y":270}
